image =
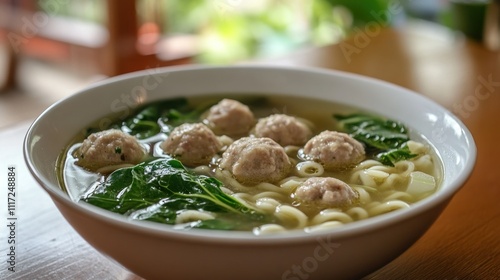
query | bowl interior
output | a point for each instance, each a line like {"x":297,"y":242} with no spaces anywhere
{"x":58,"y":125}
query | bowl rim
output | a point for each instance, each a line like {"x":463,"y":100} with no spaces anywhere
{"x":232,"y":237}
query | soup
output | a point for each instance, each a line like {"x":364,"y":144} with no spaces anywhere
{"x":264,"y":164}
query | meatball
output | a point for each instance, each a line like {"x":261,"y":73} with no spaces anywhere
{"x":192,"y":143}
{"x":254,"y":160}
{"x":326,"y":191}
{"x":284,"y":129}
{"x":230,"y":117}
{"x":108,"y":148}
{"x":334,"y":150}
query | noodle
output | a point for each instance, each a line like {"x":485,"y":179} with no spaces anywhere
{"x":268,"y":229}
{"x":291,"y":215}
{"x":405,"y":167}
{"x":366,"y":179}
{"x":399,"y":196}
{"x":309,"y":169}
{"x":292,"y":183}
{"x":331,"y":215}
{"x":377,"y":175}
{"x":267,"y":204}
{"x":387,"y":207}
{"x":193,"y":215}
{"x":357,"y":213}
{"x":393,"y":180}
{"x":364,"y":196}
{"x":324,"y":226}
{"x":270,"y":194}
{"x":367,"y":164}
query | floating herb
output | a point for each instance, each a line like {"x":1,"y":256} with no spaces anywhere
{"x":161,"y":189}
{"x":382,"y":137}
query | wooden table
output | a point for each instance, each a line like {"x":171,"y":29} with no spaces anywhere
{"x":464,"y":243}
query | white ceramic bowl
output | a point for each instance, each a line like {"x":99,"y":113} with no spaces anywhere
{"x":156,"y":251}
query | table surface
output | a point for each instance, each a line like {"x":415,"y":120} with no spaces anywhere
{"x":464,"y":243}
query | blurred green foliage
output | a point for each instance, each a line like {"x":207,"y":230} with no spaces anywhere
{"x":237,"y":29}
{"x":86,"y":10}
{"x":233,"y":30}
{"x":363,"y":11}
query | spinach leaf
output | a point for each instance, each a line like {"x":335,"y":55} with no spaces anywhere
{"x":392,"y":156}
{"x":161,"y":189}
{"x":383,"y":137}
{"x":144,"y":123}
{"x":176,"y":117}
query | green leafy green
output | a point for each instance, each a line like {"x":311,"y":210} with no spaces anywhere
{"x":383,"y":137}
{"x":176,"y":117}
{"x":392,"y":156}
{"x":161,"y":189}
{"x":144,"y":123}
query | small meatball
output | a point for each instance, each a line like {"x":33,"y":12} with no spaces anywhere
{"x":326,"y":191}
{"x":230,"y":117}
{"x":254,"y":160}
{"x":193,"y":144}
{"x":284,"y":129}
{"x":108,"y":148}
{"x":334,"y":150}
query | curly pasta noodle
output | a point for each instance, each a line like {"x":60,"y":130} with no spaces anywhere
{"x":331,"y":215}
{"x":324,"y":226}
{"x":267,"y":204}
{"x":193,"y":215}
{"x":291,"y":215}
{"x":268,"y":194}
{"x":364,"y":196}
{"x":387,"y":207}
{"x":309,"y":169}
{"x":398,"y":195}
{"x":268,"y":229}
{"x":292,"y":183}
{"x":357,"y":213}
{"x":392,"y":180}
